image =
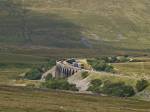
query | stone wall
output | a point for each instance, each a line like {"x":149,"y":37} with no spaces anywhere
{"x":65,"y":70}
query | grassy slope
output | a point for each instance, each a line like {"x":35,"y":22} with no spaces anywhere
{"x":7,"y":75}
{"x":114,"y":78}
{"x":106,"y":24}
{"x":135,"y":69}
{"x":23,"y":100}
{"x":11,"y":65}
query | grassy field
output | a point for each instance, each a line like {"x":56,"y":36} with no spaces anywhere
{"x":114,"y":78}
{"x":7,"y":75}
{"x":134,"y":69}
{"x":15,"y":99}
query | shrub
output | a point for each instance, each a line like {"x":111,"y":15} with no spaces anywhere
{"x":113,"y":59}
{"x":95,"y":86}
{"x":105,"y":58}
{"x":34,"y":74}
{"x":95,"y":89}
{"x":84,"y":74}
{"x":60,"y":84}
{"x":118,"y":89}
{"x":109,"y":68}
{"x":46,"y":66}
{"x":96,"y":82}
{"x":101,"y":65}
{"x":141,"y":85}
{"x":115,"y":89}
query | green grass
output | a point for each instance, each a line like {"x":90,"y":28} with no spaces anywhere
{"x":12,"y":65}
{"x":115,"y":26}
{"x":33,"y":100}
{"x":134,"y":69}
{"x":7,"y":75}
{"x":20,"y":58}
{"x":114,"y":78}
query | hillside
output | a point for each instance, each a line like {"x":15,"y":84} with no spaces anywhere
{"x":100,"y":24}
{"x":34,"y":34}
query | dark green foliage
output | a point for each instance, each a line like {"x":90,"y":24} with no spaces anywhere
{"x":118,"y":89}
{"x":60,"y":84}
{"x":141,"y":85}
{"x":84,"y":74}
{"x":115,"y":89}
{"x":113,"y":59}
{"x":95,"y":86}
{"x":34,"y":74}
{"x":96,"y":82}
{"x":47,"y":66}
{"x":103,"y":63}
{"x":100,"y":65}
{"x":109,"y":68}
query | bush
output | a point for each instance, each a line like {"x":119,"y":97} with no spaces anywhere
{"x":113,"y":59}
{"x":60,"y":84}
{"x":109,"y":68}
{"x":95,"y":86}
{"x":101,"y":65}
{"x":34,"y":74}
{"x":118,"y":89}
{"x":141,"y":85}
{"x":96,"y":82}
{"x":84,"y":74}
{"x":47,"y":66}
{"x":115,"y":89}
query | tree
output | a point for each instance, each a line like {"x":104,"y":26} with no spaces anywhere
{"x":60,"y":84}
{"x":34,"y":74}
